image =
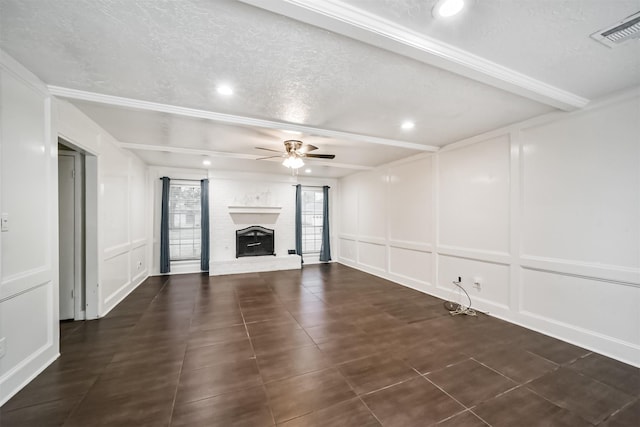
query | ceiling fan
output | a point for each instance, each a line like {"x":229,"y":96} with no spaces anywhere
{"x":295,"y":151}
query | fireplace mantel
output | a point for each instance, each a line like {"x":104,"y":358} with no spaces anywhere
{"x":254,"y":214}
{"x":255,"y":209}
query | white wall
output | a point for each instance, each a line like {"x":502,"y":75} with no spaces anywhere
{"x":386,"y":221}
{"x":244,"y":189}
{"x":28,"y":194}
{"x":123,"y":206}
{"x":544,"y":213}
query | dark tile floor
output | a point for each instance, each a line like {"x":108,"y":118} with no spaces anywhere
{"x":325,"y":346}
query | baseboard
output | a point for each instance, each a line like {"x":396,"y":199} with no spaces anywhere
{"x":124,"y":291}
{"x":22,"y":374}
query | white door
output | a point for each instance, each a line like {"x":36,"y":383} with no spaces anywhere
{"x":66,"y":220}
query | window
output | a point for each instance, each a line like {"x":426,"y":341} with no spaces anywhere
{"x":312,"y":208}
{"x":184,"y":222}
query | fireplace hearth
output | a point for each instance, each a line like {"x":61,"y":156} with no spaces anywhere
{"x":255,"y":241}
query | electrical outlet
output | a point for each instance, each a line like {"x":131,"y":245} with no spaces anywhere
{"x":3,"y":347}
{"x":4,"y":219}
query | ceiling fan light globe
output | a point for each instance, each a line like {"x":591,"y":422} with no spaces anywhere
{"x":293,"y":162}
{"x":296,"y":163}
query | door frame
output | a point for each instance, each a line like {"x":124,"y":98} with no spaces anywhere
{"x":86,"y":241}
{"x":78,"y":234}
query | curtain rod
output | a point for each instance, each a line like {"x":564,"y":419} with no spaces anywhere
{"x":181,"y":179}
{"x":311,"y":186}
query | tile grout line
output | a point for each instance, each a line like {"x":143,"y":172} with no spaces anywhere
{"x":442,"y":390}
{"x":175,"y":393}
{"x":255,"y":356}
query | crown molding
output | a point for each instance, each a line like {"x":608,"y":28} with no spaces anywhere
{"x":17,"y":70}
{"x":347,"y":20}
{"x":229,"y":118}
{"x":222,"y":154}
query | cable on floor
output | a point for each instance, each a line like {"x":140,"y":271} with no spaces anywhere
{"x":455,"y":309}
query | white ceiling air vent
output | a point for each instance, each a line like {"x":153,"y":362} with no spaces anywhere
{"x":620,"y":32}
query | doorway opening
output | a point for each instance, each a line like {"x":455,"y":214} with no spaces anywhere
{"x":77,"y":232}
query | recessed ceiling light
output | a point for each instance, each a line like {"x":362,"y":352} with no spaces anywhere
{"x":307,"y":171}
{"x":225,"y":90}
{"x":206,"y":162}
{"x":447,"y":8}
{"x":407,"y":125}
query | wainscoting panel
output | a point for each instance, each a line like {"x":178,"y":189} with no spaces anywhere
{"x":349,"y":205}
{"x":493,"y":278}
{"x":373,"y":256}
{"x":138,"y":261}
{"x":410,"y":264}
{"x":593,"y":305}
{"x":371,"y":212}
{"x":410,"y":185}
{"x":348,"y":249}
{"x":114,"y":205}
{"x":139,"y":214}
{"x":474,"y":196}
{"x":115,"y":279}
{"x":26,"y":170}
{"x":31,"y":346}
{"x":580,"y":187}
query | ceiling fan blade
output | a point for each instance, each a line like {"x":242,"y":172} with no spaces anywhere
{"x":267,"y":149}
{"x":321,"y":156}
{"x":307,"y":147}
{"x":270,"y":157}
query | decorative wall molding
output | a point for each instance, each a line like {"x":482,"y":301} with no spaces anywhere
{"x":372,"y":240}
{"x":137,"y":243}
{"x":350,"y":21}
{"x":229,"y":118}
{"x":24,"y":282}
{"x":412,"y":246}
{"x":117,"y":250}
{"x":502,"y":258}
{"x":606,"y":273}
{"x":350,"y":237}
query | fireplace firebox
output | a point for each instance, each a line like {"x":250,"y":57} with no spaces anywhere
{"x":255,"y":241}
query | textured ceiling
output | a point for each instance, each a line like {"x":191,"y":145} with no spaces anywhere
{"x":283,"y":70}
{"x":545,"y":39}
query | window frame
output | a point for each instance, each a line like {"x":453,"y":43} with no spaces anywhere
{"x":317,"y":223}
{"x":196,"y":227}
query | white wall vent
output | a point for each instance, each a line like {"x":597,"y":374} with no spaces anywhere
{"x":620,"y":32}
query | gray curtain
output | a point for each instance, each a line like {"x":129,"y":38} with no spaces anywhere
{"x":165,"y":264}
{"x":325,"y":248}
{"x":204,"y":224}
{"x":299,"y":221}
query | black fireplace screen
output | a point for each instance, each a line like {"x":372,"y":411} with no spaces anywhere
{"x":254,"y":241}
